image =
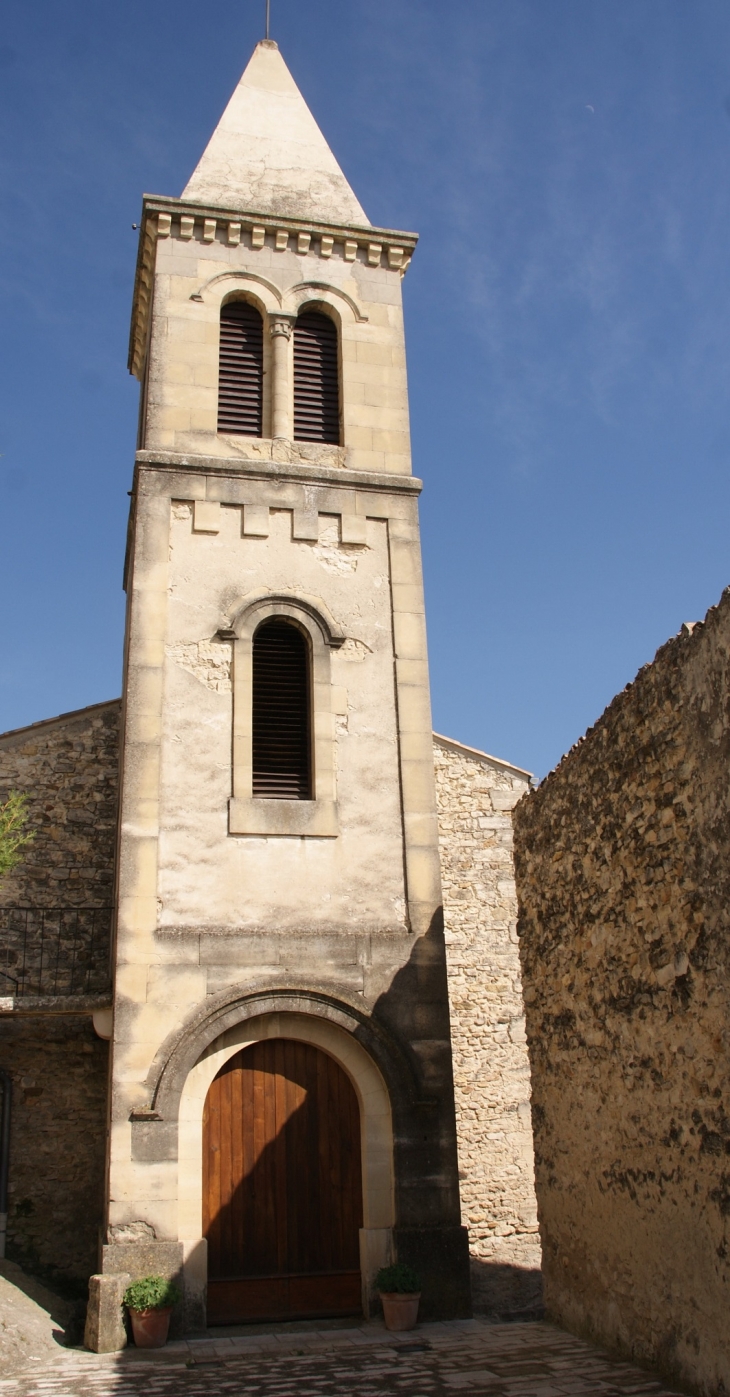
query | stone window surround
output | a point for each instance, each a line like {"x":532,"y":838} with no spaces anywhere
{"x":315,"y":818}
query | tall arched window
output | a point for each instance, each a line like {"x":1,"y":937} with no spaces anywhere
{"x":282,"y":763}
{"x":241,"y":370}
{"x":316,"y":379}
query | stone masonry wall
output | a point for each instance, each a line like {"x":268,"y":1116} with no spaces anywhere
{"x":69,"y":767}
{"x":623,"y":875}
{"x":475,"y":796}
{"x":57,"y":1143}
{"x":55,"y":910}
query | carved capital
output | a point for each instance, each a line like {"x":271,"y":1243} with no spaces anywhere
{"x":281,"y":325}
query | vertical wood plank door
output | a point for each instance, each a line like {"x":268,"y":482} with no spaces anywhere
{"x":282,"y":1186}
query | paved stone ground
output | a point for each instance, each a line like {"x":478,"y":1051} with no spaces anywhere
{"x":473,"y":1357}
{"x":32,"y":1320}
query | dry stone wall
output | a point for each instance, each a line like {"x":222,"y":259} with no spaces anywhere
{"x":475,"y":796}
{"x":623,"y":875}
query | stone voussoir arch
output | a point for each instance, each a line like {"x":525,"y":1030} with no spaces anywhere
{"x":182,"y":1050}
{"x":258,"y":606}
{"x":322,"y":293}
{"x":225,"y":285}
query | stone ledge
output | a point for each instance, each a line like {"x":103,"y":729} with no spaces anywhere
{"x":263,"y":470}
{"x":303,"y":819}
{"x":249,"y":218}
{"x":55,"y":1003}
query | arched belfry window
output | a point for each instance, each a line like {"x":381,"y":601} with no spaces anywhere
{"x":283,"y":737}
{"x":281,"y":716}
{"x":316,"y":379}
{"x":241,"y":370}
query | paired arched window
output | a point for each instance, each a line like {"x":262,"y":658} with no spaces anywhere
{"x":281,"y":717}
{"x":241,"y":374}
{"x":241,"y":370}
{"x":316,"y":379}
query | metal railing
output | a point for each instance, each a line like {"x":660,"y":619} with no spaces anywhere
{"x":54,"y":950}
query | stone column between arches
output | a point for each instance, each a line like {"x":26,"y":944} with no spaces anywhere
{"x":376,"y":1142}
{"x":281,"y":327}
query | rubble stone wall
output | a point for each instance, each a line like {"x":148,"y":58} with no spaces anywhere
{"x":57,"y":1143}
{"x":623,"y":876}
{"x":475,"y":796}
{"x":69,"y":768}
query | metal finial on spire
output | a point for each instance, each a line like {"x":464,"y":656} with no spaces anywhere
{"x":268,"y":16}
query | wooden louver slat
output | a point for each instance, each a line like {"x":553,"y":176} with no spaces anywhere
{"x":241,"y":370}
{"x":281,"y":713}
{"x":316,"y":379}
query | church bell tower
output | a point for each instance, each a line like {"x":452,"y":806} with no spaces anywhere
{"x":282,"y":1119}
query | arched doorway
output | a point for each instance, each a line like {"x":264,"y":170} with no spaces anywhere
{"x":282,"y":1185}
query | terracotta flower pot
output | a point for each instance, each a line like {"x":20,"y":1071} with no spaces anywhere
{"x":150,"y":1327}
{"x":400,"y":1311}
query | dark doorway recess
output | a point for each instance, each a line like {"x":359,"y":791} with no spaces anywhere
{"x":282,"y":1186}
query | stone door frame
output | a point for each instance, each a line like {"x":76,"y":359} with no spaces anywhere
{"x":376,"y":1136}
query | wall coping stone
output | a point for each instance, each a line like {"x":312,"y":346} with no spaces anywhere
{"x":59,"y":718}
{"x":455,"y":746}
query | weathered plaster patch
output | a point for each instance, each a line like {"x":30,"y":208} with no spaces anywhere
{"x":353,"y":650}
{"x":332,"y":555}
{"x":209,"y":661}
{"x":132,"y":1232}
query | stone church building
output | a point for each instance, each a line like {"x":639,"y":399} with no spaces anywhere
{"x":259,"y":977}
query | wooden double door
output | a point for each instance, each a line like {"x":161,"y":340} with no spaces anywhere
{"x":282,"y":1186}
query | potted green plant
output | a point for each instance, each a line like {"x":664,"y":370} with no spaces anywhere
{"x":399,"y":1288}
{"x":150,"y":1303}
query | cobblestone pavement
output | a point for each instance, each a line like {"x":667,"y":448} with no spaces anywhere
{"x":473,"y":1357}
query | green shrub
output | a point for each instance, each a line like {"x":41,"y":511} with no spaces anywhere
{"x":151,"y":1293}
{"x":13,"y":835}
{"x":397,"y":1280}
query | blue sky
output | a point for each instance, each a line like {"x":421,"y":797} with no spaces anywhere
{"x":566,"y":164}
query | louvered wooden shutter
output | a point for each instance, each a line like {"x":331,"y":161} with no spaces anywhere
{"x":241,"y":370}
{"x":316,"y":379}
{"x":281,"y":713}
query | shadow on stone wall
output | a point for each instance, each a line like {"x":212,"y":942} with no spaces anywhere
{"x":57,"y":1143}
{"x":512,"y":1292}
{"x":428,"y":1235}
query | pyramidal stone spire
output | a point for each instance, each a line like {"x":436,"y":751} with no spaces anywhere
{"x":268,"y":155}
